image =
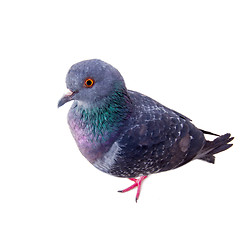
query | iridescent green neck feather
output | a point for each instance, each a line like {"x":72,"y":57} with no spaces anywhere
{"x":101,"y":120}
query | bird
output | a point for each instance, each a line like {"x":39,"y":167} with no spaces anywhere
{"x":127,"y":134}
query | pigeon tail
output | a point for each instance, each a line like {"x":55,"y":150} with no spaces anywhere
{"x":210,"y":148}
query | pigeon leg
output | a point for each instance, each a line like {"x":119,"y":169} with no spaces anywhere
{"x":137,"y":184}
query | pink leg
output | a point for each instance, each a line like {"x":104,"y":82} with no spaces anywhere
{"x":137,"y":184}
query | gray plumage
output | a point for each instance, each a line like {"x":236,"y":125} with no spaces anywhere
{"x":127,"y":134}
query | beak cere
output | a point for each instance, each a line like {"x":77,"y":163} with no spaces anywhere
{"x":66,"y":98}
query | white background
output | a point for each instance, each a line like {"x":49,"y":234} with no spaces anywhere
{"x":188,"y":55}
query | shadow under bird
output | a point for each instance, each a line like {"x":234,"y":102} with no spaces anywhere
{"x":127,"y":134}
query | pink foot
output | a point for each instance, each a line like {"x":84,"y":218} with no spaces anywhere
{"x":137,"y":184}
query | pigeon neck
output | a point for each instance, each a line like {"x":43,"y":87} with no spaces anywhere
{"x":106,"y":117}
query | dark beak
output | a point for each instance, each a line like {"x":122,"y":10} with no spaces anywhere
{"x":66,"y":98}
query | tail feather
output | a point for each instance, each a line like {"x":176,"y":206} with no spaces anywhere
{"x":210,"y":133}
{"x":210,"y":148}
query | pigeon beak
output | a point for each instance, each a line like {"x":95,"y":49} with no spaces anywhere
{"x":66,"y":98}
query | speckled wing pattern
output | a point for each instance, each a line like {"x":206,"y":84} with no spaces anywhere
{"x":154,"y":139}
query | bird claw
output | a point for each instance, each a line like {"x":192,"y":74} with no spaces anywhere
{"x":137,"y":184}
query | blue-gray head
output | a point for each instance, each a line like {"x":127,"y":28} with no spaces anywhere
{"x":91,"y":81}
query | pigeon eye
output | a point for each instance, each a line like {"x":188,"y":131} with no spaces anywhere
{"x":88,"y":83}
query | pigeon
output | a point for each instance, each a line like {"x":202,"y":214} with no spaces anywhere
{"x":127,"y":134}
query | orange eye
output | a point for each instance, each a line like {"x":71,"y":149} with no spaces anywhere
{"x":88,"y":83}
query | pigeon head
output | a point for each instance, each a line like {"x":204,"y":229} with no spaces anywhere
{"x":91,"y":81}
